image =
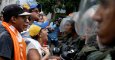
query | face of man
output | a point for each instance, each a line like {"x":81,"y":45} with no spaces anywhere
{"x":35,"y":14}
{"x":105,"y":16}
{"x":21,"y":23}
{"x":36,"y":10}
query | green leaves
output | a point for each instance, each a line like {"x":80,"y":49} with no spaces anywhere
{"x":50,"y":5}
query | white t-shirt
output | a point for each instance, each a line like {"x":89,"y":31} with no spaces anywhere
{"x":33,"y":44}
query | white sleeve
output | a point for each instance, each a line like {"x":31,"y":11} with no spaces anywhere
{"x":30,"y":46}
{"x":33,"y":45}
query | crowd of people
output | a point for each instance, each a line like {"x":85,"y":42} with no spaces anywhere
{"x":27,"y":34}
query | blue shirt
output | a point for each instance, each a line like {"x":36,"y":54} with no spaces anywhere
{"x":54,"y":34}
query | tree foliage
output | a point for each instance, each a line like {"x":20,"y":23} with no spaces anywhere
{"x":50,"y":5}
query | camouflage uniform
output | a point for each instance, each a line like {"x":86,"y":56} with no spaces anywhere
{"x":91,"y":52}
{"x":71,"y":43}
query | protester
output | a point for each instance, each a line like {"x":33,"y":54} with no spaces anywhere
{"x":35,"y":47}
{"x":32,"y":18}
{"x":12,"y":45}
{"x":53,"y":33}
{"x":37,"y":17}
{"x":42,"y":36}
{"x":35,"y":12}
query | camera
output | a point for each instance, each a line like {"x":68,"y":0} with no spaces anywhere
{"x":67,"y":54}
